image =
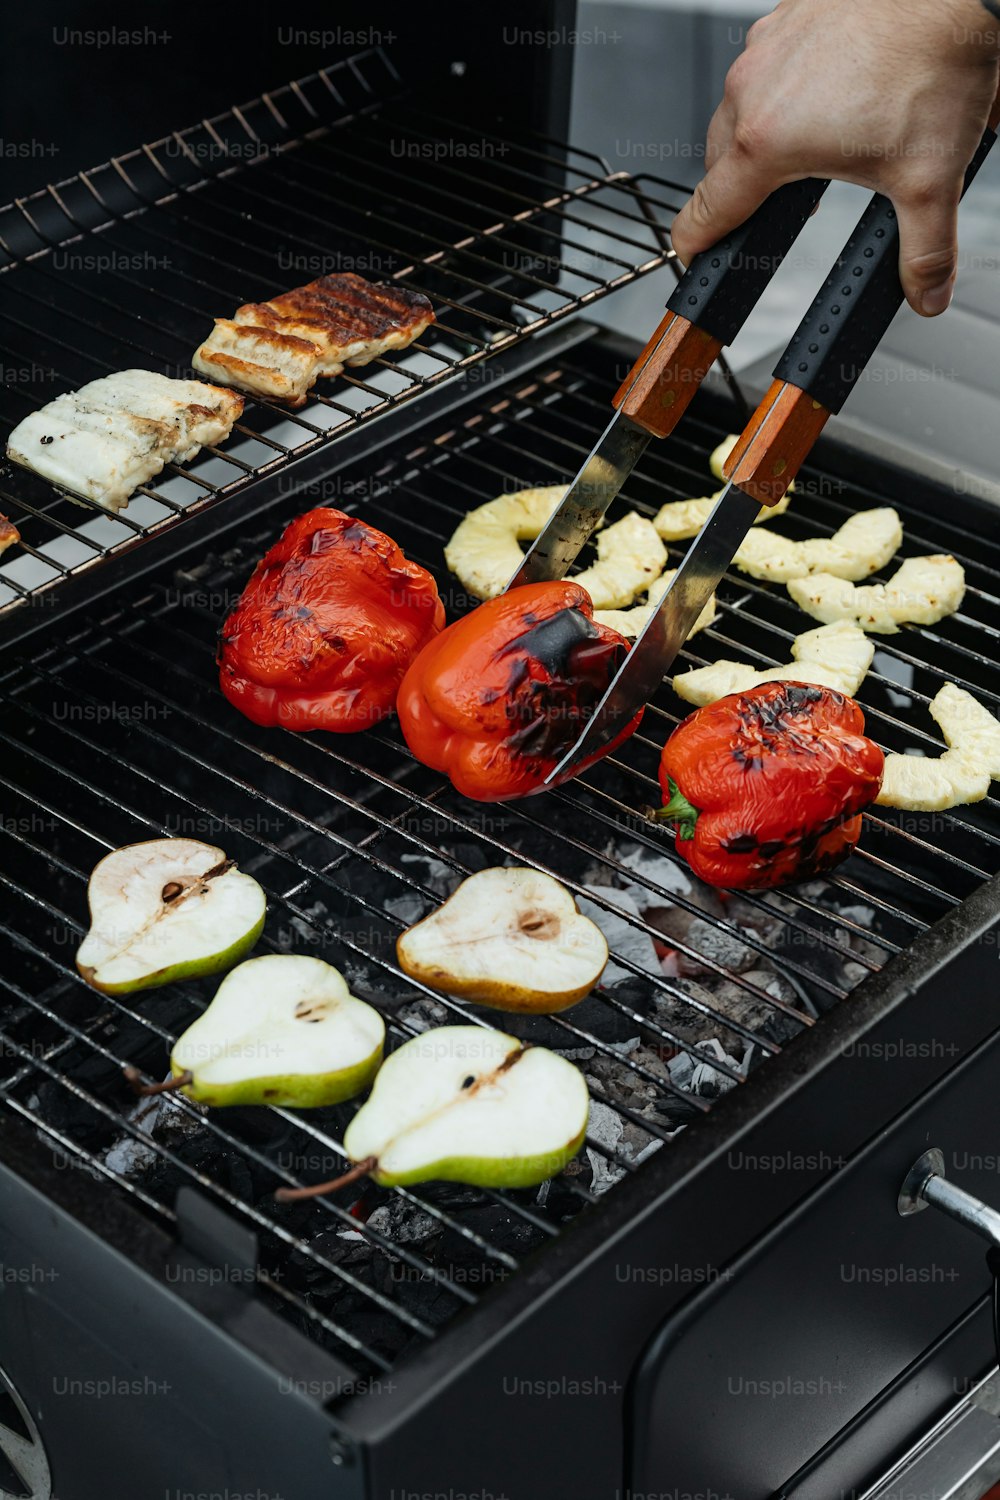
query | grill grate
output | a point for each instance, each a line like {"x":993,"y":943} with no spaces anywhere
{"x":118,"y":733}
{"x":127,"y":265}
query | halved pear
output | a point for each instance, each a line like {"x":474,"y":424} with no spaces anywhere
{"x":464,"y":1104}
{"x":510,"y":938}
{"x":165,"y":910}
{"x":282,"y":1029}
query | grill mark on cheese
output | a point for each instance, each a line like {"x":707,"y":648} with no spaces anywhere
{"x":280,"y":347}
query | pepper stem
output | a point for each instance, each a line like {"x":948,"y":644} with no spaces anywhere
{"x":678,"y":810}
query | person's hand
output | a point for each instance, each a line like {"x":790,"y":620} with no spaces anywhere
{"x":892,"y":95}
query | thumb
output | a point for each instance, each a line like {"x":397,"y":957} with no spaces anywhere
{"x":928,"y":248}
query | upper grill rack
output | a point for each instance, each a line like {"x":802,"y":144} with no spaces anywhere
{"x":118,"y":734}
{"x":126,"y":265}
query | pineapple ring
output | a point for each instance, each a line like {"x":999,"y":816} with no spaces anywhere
{"x":865,"y":543}
{"x":962,"y":773}
{"x":484,"y":552}
{"x":834,"y":656}
{"x":631,"y":622}
{"x":922,"y":590}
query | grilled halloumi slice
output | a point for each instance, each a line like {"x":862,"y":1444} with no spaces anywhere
{"x":116,"y":433}
{"x":631,"y":622}
{"x":259,"y":360}
{"x":923,"y":590}
{"x":282,"y":346}
{"x":483,"y":552}
{"x":962,"y":773}
{"x":865,"y":543}
{"x":834,"y":656}
{"x":352,"y":320}
{"x":680,"y":519}
{"x":630,"y":557}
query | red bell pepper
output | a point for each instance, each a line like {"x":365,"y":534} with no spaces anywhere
{"x":497,"y":699}
{"x":327,"y":626}
{"x":767,"y":787}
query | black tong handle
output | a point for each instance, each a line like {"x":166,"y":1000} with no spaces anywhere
{"x":859,"y":299}
{"x":723,"y":285}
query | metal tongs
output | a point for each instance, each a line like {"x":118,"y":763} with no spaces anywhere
{"x":812,"y":380}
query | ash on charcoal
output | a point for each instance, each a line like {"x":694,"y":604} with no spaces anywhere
{"x":424,"y":1013}
{"x":604,"y":1126}
{"x":404,"y":1222}
{"x":719,"y":946}
{"x":408,"y":908}
{"x":808,"y":942}
{"x":623,"y":938}
{"x":302,"y":929}
{"x":659,"y":870}
{"x":725,"y":999}
{"x":432,"y":873}
{"x":697,"y":1076}
{"x":159,"y":1117}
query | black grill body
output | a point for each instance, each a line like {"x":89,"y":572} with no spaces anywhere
{"x":717,"y":1299}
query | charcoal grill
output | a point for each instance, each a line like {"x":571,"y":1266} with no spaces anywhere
{"x":700,"y":1304}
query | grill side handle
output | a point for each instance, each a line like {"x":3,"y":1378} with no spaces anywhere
{"x":859,"y":299}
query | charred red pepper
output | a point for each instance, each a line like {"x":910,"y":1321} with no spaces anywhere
{"x":768,"y":786}
{"x":327,"y":626}
{"x":498,"y":697}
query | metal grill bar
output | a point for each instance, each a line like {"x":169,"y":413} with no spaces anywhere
{"x":481,"y":265}
{"x":347,"y":820}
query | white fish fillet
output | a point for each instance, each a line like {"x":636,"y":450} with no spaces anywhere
{"x":631,"y":622}
{"x":923,"y":590}
{"x":865,"y":543}
{"x":483,"y":552}
{"x":834,"y":656}
{"x":962,"y":773}
{"x":630,"y":556}
{"x":117,"y":432}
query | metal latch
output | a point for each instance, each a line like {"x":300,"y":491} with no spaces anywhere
{"x":925,"y":1185}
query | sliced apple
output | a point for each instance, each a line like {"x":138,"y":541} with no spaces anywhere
{"x":510,"y":938}
{"x":282,"y":1029}
{"x":165,"y":910}
{"x":463,"y":1104}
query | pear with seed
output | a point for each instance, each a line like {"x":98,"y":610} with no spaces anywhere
{"x":166,"y":910}
{"x":464,"y":1104}
{"x":282,"y":1029}
{"x":511,"y":938}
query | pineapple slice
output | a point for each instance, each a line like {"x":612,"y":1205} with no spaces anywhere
{"x":863,"y":545}
{"x":680,"y":519}
{"x":962,"y":773}
{"x":483,"y":552}
{"x":719,"y":455}
{"x":630,"y":556}
{"x":834,"y":656}
{"x":632,"y":622}
{"x":922,"y":590}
